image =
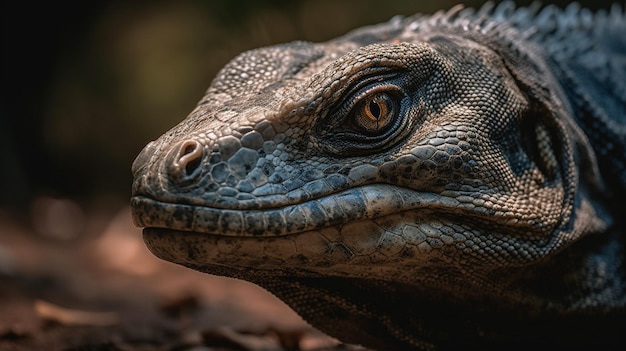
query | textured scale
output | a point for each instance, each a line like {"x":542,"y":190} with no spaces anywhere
{"x":474,"y":204}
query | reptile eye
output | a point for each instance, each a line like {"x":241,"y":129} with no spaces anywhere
{"x":371,"y":118}
{"x":375,"y":112}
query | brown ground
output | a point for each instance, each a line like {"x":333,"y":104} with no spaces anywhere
{"x":76,"y":279}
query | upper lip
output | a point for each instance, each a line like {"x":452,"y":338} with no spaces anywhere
{"x":353,"y":204}
{"x":370,"y":201}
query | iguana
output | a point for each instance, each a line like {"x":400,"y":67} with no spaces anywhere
{"x":435,"y":181}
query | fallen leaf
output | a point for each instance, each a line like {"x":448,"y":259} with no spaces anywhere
{"x":228,"y":337}
{"x":67,"y":316}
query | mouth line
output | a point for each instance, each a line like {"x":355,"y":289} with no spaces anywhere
{"x":360,"y":203}
{"x":355,"y":204}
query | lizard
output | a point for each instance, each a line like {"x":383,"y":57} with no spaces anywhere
{"x":427,"y":183}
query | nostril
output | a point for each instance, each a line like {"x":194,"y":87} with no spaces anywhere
{"x":190,"y":157}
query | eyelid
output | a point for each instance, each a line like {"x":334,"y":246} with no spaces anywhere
{"x":390,"y":89}
{"x":361,"y":84}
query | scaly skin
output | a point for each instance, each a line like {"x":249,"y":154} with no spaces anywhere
{"x":424,"y":183}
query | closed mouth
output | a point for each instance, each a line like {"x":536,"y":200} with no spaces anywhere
{"x":365,"y":202}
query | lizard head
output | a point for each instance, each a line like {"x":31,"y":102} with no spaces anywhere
{"x":389,"y":157}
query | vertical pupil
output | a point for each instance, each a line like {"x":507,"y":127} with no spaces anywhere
{"x":374,"y":108}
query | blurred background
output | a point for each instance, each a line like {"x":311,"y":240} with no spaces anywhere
{"x":85,"y":85}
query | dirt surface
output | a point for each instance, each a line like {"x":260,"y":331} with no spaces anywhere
{"x":81,"y":279}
